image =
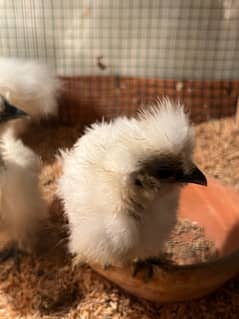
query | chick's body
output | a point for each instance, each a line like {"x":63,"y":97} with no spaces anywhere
{"x":21,"y":203}
{"x":118,"y":205}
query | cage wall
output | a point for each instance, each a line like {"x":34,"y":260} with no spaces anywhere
{"x":116,"y":55}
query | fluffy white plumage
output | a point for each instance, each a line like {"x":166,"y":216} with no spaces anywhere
{"x":117,"y":209}
{"x":21,"y":203}
{"x":30,"y":85}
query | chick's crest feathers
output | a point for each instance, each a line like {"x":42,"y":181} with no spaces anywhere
{"x":30,"y":85}
{"x":124,"y":142}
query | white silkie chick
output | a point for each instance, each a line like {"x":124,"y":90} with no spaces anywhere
{"x":21,"y":204}
{"x":32,"y":86}
{"x":121,"y":183}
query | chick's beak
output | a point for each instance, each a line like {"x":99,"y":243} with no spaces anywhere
{"x":11,"y":112}
{"x":195,"y":176}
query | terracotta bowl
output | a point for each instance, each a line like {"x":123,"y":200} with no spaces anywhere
{"x":216,"y":209}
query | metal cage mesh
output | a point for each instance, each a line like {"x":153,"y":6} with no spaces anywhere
{"x":115,"y":56}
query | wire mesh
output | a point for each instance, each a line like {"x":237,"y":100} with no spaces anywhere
{"x":116,"y":55}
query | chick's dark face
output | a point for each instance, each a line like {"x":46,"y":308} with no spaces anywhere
{"x":8,"y":111}
{"x":163,"y":171}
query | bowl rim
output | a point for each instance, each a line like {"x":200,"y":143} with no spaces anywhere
{"x":231,"y":259}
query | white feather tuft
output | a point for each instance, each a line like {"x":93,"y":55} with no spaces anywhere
{"x":30,"y":85}
{"x":95,"y":184}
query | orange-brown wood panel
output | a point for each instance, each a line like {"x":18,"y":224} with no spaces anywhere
{"x":87,"y":99}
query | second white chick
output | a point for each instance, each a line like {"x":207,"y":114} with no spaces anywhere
{"x":121,"y":183}
{"x":22,"y":207}
{"x":32,"y":86}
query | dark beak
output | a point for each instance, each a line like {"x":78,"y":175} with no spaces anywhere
{"x":10,"y":112}
{"x":195,"y":176}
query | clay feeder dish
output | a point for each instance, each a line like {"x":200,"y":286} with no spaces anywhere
{"x":216,"y":209}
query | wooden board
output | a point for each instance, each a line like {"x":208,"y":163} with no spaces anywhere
{"x":86,"y":99}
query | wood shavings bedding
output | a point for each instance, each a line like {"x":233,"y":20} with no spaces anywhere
{"x":48,"y":287}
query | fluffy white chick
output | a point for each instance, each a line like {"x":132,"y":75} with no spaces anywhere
{"x":32,"y":86}
{"x":22,"y":207}
{"x":121,"y":182}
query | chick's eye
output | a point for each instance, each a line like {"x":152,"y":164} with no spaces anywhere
{"x":165,"y":172}
{"x":138,"y":182}
{"x":2,"y":106}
